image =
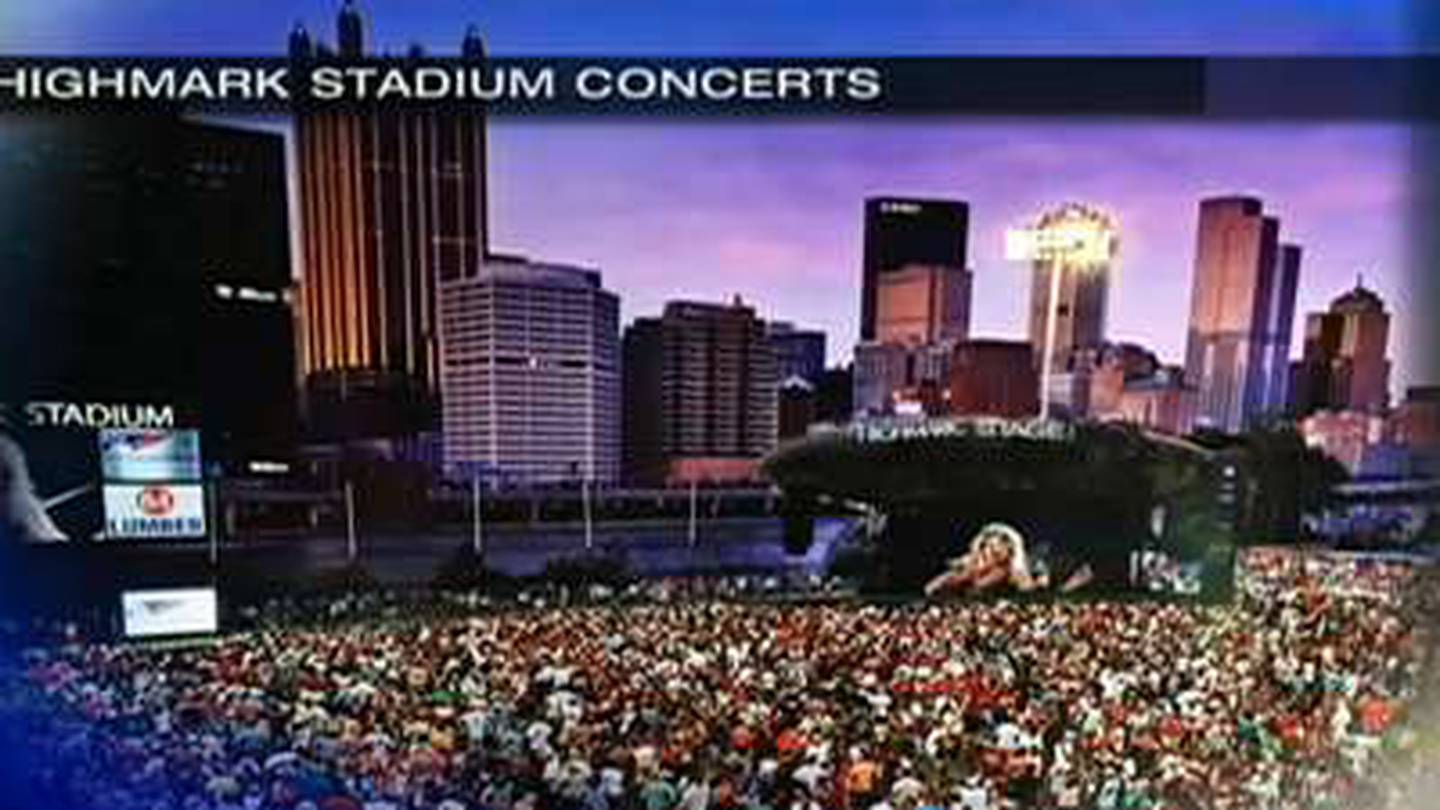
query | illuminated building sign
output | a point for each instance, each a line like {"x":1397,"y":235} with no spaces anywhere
{"x":1073,"y":234}
{"x":899,"y":207}
{"x":895,"y":430}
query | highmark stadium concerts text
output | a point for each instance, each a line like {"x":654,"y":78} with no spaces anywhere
{"x":591,"y":83}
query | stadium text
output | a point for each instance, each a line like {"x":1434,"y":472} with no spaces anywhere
{"x":99,"y":415}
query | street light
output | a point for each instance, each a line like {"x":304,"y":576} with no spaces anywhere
{"x":1071,"y":240}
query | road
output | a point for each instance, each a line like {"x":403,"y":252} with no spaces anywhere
{"x":652,"y":547}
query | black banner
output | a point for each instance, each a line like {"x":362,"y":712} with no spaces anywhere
{"x":1379,"y":88}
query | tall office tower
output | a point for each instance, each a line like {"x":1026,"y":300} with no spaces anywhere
{"x":799,"y":352}
{"x":1242,"y":299}
{"x":920,"y":304}
{"x":146,"y":259}
{"x":1344,"y":364}
{"x":901,"y":232}
{"x":1279,"y":326}
{"x":1074,"y":246}
{"x":392,"y":203}
{"x":701,"y":388}
{"x":530,"y":379}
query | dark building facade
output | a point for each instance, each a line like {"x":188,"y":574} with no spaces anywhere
{"x":798,"y":352}
{"x":835,"y":395}
{"x":797,"y":407}
{"x":146,"y":260}
{"x":701,"y":389}
{"x":994,"y":378}
{"x":900,"y":232}
{"x":392,"y":204}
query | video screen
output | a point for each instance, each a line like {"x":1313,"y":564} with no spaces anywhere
{"x":169,"y":612}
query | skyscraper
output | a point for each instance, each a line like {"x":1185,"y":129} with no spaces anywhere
{"x":919,"y":304}
{"x":1074,"y":247}
{"x":530,"y":381}
{"x":1279,"y":325}
{"x":700,"y":394}
{"x":1344,"y":365}
{"x":392,"y":203}
{"x":902,"y":231}
{"x":1241,"y":301}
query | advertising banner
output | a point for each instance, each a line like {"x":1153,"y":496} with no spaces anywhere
{"x":154,"y":510}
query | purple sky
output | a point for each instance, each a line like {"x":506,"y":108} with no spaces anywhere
{"x":772,"y":210}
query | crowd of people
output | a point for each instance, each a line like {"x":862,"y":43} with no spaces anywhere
{"x":1288,"y":698}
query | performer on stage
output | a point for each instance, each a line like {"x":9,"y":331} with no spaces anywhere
{"x":997,"y":557}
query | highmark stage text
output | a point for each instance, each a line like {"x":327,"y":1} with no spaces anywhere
{"x":535,"y":82}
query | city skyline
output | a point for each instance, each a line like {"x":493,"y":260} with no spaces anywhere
{"x":788,"y":234}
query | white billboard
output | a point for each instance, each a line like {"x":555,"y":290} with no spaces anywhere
{"x":170,"y":612}
{"x":154,"y":510}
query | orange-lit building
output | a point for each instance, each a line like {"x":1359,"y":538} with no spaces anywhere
{"x":391,"y":203}
{"x":923,"y":303}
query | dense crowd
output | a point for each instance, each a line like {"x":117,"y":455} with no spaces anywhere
{"x":1285,"y":699}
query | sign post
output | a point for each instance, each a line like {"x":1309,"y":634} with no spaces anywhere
{"x":694,"y":511}
{"x":214,"y":487}
{"x":477,"y":540}
{"x":350,"y":543}
{"x":585,"y":507}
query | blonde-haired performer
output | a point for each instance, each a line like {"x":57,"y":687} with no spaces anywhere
{"x":997,"y":556}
